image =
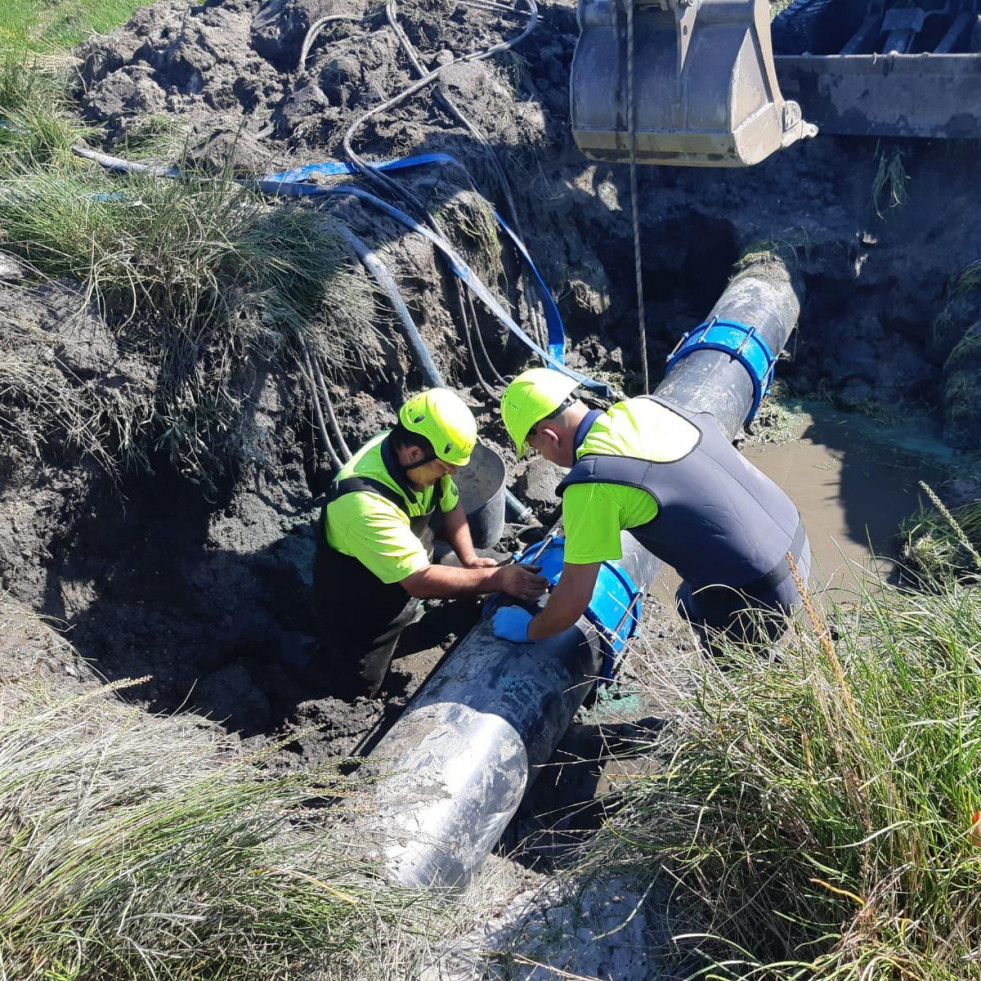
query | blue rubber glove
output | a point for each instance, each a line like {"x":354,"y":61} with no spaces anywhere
{"x":511,"y":623}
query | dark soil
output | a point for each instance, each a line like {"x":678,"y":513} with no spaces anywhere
{"x":208,"y":590}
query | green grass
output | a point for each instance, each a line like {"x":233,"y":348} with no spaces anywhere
{"x":817,"y":816}
{"x":943,"y":545}
{"x":889,"y":184}
{"x":47,"y":26}
{"x":36,"y":127}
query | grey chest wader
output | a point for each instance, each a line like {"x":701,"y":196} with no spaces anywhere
{"x":360,"y":617}
{"x":724,"y":526}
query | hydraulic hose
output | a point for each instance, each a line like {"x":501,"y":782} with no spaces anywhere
{"x":325,"y":442}
{"x":377,"y":268}
{"x":314,"y":30}
{"x":291,"y":184}
{"x":463,"y":272}
{"x":417,"y":86}
{"x":484,"y":143}
{"x":375,"y":175}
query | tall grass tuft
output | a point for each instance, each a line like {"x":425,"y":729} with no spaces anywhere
{"x":818,"y":817}
{"x":203,"y":281}
{"x":139,"y":847}
{"x":889,"y":184}
{"x":36,"y":129}
{"x":941,"y":544}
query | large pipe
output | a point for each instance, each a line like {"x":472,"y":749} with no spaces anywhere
{"x":454,"y":768}
{"x":765,"y":294}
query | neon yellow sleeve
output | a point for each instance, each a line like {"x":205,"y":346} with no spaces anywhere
{"x":377,"y":534}
{"x":451,"y":495}
{"x":592,"y":519}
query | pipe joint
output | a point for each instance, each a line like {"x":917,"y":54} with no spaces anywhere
{"x":745,"y":344}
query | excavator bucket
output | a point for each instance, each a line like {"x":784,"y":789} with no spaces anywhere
{"x":704,"y":89}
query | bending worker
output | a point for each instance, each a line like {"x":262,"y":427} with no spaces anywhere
{"x":374,"y":554}
{"x":673,"y":480}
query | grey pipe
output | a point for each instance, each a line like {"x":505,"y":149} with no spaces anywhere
{"x":458,"y":762}
{"x":765,"y":294}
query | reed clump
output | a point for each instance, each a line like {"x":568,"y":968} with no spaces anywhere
{"x":817,"y":817}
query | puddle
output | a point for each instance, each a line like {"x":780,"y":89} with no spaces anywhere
{"x":852,"y":492}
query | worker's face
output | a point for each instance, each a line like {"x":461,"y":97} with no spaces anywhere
{"x":431,"y":473}
{"x":547,"y":438}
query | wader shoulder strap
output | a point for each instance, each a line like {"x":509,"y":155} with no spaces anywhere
{"x":598,"y":468}
{"x":350,"y":485}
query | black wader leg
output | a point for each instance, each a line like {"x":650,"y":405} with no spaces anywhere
{"x":717,"y":612}
{"x":360,"y":620}
{"x":362,"y":672}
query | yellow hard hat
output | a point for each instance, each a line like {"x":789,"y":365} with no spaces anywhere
{"x":533,"y":395}
{"x":443,"y":418}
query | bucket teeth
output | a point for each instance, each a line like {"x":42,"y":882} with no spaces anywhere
{"x":705,"y":88}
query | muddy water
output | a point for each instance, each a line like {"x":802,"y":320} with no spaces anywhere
{"x":852,"y":495}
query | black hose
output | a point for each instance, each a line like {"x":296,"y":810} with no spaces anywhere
{"x":315,"y":29}
{"x":325,"y":442}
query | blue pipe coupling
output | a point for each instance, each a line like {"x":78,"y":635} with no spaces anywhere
{"x":745,"y":344}
{"x":615,"y":608}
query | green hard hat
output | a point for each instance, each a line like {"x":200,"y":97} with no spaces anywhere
{"x":533,"y":395}
{"x":443,"y":418}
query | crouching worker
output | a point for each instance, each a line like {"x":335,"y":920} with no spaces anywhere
{"x":374,"y":546}
{"x":673,"y":480}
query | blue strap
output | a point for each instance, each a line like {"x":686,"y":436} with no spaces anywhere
{"x":615,"y":639}
{"x":290,"y":183}
{"x":462,"y":271}
{"x":336,"y":168}
{"x":553,"y":319}
{"x":746,"y":344}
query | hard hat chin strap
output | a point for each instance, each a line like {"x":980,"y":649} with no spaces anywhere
{"x":419,"y":463}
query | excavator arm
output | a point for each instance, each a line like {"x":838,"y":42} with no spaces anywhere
{"x":688,"y":83}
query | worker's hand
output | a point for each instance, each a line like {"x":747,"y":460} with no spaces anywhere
{"x":521,"y":581}
{"x":511,"y":623}
{"x":478,"y":563}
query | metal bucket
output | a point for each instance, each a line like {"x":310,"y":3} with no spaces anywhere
{"x":481,"y":486}
{"x":705,"y":89}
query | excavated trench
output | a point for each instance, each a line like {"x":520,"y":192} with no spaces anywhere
{"x":208,"y":590}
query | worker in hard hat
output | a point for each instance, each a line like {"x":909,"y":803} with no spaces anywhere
{"x":675,"y":482}
{"x":374,"y":555}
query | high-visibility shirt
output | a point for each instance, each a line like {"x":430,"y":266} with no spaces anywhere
{"x":595,"y":514}
{"x":374,"y":530}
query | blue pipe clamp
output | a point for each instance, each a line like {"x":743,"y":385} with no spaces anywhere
{"x":615,"y":607}
{"x":745,"y":344}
